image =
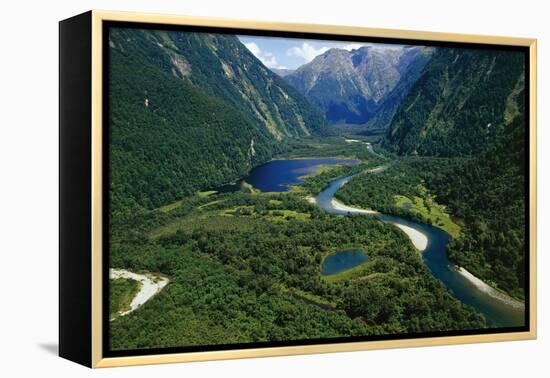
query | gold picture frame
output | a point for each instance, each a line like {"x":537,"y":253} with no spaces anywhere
{"x":92,"y":24}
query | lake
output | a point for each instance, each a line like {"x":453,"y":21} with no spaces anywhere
{"x":343,"y":260}
{"x":277,"y":175}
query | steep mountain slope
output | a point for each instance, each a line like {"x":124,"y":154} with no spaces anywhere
{"x":350,"y":86}
{"x":469,"y":107}
{"x":383,"y":117}
{"x":189,"y":111}
{"x":460,"y":103}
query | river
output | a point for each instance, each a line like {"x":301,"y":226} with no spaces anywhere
{"x":498,"y":309}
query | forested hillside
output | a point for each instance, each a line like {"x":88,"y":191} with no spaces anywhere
{"x":189,"y":111}
{"x":468,"y":105}
{"x":460,"y":104}
{"x":488,"y":193}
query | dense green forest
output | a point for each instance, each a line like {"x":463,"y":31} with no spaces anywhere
{"x":399,"y":190}
{"x":479,"y":201}
{"x":180,"y":121}
{"x":483,"y":200}
{"x":247,"y":268}
{"x":488,"y":193}
{"x":470,"y":103}
{"x":460,"y":104}
{"x":121,"y":293}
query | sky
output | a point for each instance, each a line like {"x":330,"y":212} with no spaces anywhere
{"x":291,"y":53}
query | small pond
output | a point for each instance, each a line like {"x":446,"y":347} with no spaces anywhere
{"x":343,"y":260}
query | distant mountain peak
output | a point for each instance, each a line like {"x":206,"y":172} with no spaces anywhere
{"x":349,"y":86}
{"x":282,"y":72}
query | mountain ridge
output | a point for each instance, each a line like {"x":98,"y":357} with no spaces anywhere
{"x":190,"y":111}
{"x":462,"y":101}
{"x":350,"y":86}
{"x":466,"y":117}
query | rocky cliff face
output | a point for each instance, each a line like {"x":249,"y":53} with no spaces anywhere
{"x":350,"y":86}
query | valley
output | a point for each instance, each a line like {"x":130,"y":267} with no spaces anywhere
{"x":272,"y":241}
{"x":370,"y":192}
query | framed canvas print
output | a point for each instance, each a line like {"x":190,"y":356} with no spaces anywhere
{"x":235,"y":189}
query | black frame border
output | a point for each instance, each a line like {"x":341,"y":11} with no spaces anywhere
{"x":75,"y":200}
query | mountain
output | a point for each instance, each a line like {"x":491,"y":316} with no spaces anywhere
{"x":190,"y":111}
{"x":282,"y":72}
{"x":350,"y":86}
{"x":383,"y":117}
{"x":467,"y":111}
{"x":460,"y":104}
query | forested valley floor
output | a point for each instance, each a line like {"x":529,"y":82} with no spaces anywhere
{"x":246,"y":266}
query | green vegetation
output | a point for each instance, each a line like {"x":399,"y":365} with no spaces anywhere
{"x":152,"y":167}
{"x":357,"y":272}
{"x":224,"y":68}
{"x":311,"y":298}
{"x":192,"y":111}
{"x":170,"y":207}
{"x":426,"y":208}
{"x":206,"y":193}
{"x":326,"y":147}
{"x":468,"y":105}
{"x":478,"y":201}
{"x":460,"y":103}
{"x":246,"y":268}
{"x":314,"y":184}
{"x":121,"y":293}
{"x":398,"y":190}
{"x":488,"y":192}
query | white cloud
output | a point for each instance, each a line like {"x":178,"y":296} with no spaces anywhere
{"x":254,"y":49}
{"x":306,"y":51}
{"x":267,"y":58}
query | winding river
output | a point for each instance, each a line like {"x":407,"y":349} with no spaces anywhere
{"x":498,"y":309}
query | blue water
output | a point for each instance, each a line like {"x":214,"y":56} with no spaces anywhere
{"x":342,"y":261}
{"x":276,"y":175}
{"x":496,"y":312}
